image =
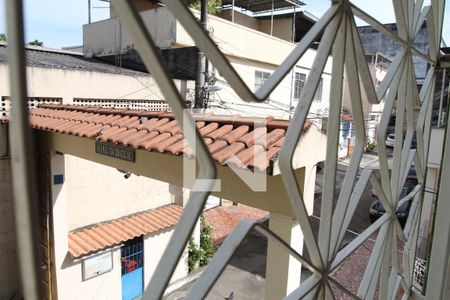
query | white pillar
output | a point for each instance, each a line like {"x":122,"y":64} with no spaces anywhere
{"x":283,"y":271}
{"x":309,"y":187}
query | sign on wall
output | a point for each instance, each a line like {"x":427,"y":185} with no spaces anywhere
{"x":116,"y":151}
{"x":96,"y":265}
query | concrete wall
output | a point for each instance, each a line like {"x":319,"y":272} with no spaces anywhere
{"x":436,"y":144}
{"x":374,"y":41}
{"x":282,"y":27}
{"x":232,"y":38}
{"x":9,"y":277}
{"x":240,"y":18}
{"x":247,"y":49}
{"x":94,"y":193}
{"x":97,"y":193}
{"x":69,"y":84}
{"x":109,"y":37}
{"x":226,"y":101}
{"x":154,"y":246}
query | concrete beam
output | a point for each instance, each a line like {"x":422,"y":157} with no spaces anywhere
{"x":169,"y":168}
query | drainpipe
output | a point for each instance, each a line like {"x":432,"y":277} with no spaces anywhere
{"x":201,"y":66}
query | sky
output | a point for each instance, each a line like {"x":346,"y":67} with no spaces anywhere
{"x":58,"y":23}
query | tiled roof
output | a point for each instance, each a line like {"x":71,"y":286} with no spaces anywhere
{"x":158,"y":131}
{"x":58,"y":59}
{"x":94,"y":238}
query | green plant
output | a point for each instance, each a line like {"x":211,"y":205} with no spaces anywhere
{"x":193,"y":256}
{"x":36,"y":43}
{"x":200,"y":255}
{"x":370,"y":145}
{"x":2,"y":37}
{"x":213,"y":5}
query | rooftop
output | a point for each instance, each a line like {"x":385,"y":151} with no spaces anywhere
{"x":94,"y":238}
{"x":42,"y":57}
{"x":227,"y":137}
{"x":260,"y":6}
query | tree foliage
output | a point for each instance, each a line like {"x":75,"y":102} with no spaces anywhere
{"x":36,"y":43}
{"x":2,"y":37}
{"x":200,"y":255}
{"x":213,"y":5}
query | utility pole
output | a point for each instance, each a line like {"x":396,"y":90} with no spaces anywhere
{"x":201,"y":66}
{"x":89,"y":11}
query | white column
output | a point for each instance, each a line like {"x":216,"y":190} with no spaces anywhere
{"x":282,"y":271}
{"x":309,"y":187}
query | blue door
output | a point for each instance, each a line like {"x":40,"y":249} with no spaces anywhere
{"x":132,"y":258}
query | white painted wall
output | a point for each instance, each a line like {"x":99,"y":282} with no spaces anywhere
{"x":154,"y":246}
{"x":69,"y":84}
{"x":97,"y":193}
{"x":68,"y":274}
{"x":246,"y":48}
{"x":9,"y":277}
{"x":109,"y":37}
{"x":93,"y":193}
{"x":226,"y":101}
{"x":436,"y":144}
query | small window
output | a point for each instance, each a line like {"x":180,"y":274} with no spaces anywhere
{"x":260,"y":78}
{"x":318,"y":95}
{"x":299,"y":83}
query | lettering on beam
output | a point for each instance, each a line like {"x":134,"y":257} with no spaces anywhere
{"x":116,"y":151}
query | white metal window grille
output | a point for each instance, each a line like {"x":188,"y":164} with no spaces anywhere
{"x":260,"y":78}
{"x":152,"y":105}
{"x":33,"y":102}
{"x":388,"y":273}
{"x":299,"y":83}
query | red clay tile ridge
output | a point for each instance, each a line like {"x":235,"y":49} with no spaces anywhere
{"x":245,"y":142}
{"x":91,"y":239}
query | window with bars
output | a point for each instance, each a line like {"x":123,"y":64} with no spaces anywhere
{"x":132,"y":255}
{"x":299,"y":83}
{"x":318,"y":95}
{"x":260,"y":78}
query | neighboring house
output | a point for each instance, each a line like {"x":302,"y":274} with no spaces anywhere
{"x":375,"y":41}
{"x":64,"y":77}
{"x":240,"y":34}
{"x":254,"y":54}
{"x":109,"y":216}
{"x":60,"y":76}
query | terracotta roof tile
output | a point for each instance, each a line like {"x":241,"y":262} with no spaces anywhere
{"x":137,"y":142}
{"x":227,"y":152}
{"x":98,"y":237}
{"x":233,"y":135}
{"x":226,"y":136}
{"x":249,"y":138}
{"x":216,"y":146}
{"x":164,"y":145}
{"x":220,"y":132}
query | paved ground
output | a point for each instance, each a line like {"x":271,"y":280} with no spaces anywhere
{"x":245,"y":274}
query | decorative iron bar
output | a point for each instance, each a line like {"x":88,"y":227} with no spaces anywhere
{"x":340,"y":38}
